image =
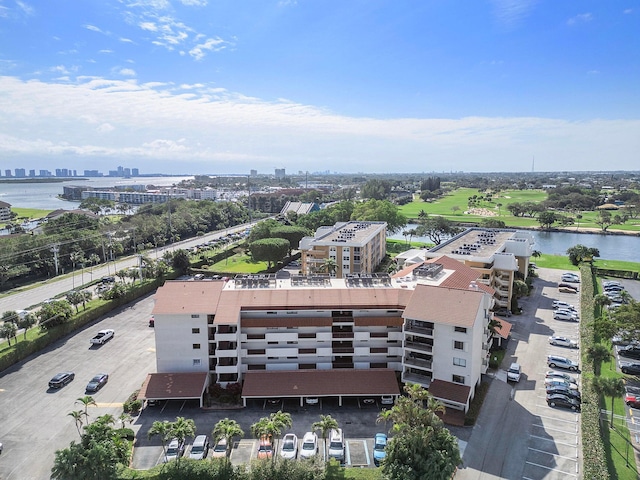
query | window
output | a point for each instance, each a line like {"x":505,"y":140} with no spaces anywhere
{"x":292,"y":343}
{"x":460,"y":362}
{"x":256,"y":367}
{"x":458,"y":379}
{"x":195,"y":330}
{"x":458,"y":345}
{"x":256,"y":351}
{"x":460,"y":329}
{"x":196,"y":362}
{"x":196,"y":346}
{"x":195,"y":315}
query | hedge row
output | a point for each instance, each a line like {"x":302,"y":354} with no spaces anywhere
{"x":593,"y":452}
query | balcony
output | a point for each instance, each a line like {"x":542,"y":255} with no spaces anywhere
{"x":418,"y":362}
{"x":342,"y":334}
{"x":413,"y":328}
{"x":415,"y":378}
{"x":342,"y":349}
{"x":423,"y":347}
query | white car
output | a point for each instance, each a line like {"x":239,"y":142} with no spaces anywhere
{"x":289,"y":448}
{"x":560,"y":304}
{"x":514,"y":372}
{"x":309,"y":445}
{"x":174,"y":450}
{"x":553,"y":375}
{"x":563,"y":342}
{"x":103,"y":336}
{"x":565,"y":315}
{"x":570,"y":277}
{"x":220,"y":450}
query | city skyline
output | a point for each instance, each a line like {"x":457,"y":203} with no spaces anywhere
{"x":196,"y":86}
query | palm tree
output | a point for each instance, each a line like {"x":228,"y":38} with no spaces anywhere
{"x":598,"y":353}
{"x":75,"y":257}
{"x":86,"y":401}
{"x":227,"y":429}
{"x":124,"y":418}
{"x":163,"y":430}
{"x":610,"y":387}
{"x":77,"y":416}
{"x":325,"y":425}
{"x":280,"y":420}
{"x":181,"y":429}
{"x":329,"y":266}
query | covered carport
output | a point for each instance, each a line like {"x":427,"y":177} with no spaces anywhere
{"x":303,"y":384}
{"x":175,"y":386}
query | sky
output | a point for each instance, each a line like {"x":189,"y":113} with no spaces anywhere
{"x":345,"y":86}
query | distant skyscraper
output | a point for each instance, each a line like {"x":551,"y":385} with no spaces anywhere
{"x":135,"y":172}
{"x":32,"y":173}
{"x":7,"y":173}
{"x":20,"y":172}
{"x":280,"y":173}
{"x":253,"y":173}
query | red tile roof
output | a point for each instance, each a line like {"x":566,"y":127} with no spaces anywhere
{"x":179,"y":297}
{"x":320,"y":383}
{"x":504,"y":329}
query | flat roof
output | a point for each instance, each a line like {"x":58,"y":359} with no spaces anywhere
{"x":475,"y":242}
{"x":174,"y":386}
{"x":320,"y":383}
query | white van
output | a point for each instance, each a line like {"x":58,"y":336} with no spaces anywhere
{"x":200,"y":447}
{"x":514,"y":372}
{"x":336,"y":444}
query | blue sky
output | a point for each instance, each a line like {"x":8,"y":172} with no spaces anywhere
{"x":205,"y":86}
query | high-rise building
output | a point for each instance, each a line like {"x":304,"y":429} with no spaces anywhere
{"x":280,"y":173}
{"x":20,"y":172}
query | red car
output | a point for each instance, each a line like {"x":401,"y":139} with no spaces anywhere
{"x":632,"y":400}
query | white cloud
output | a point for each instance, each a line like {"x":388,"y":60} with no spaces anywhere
{"x":580,"y":18}
{"x":106,"y":51}
{"x":194,"y":3}
{"x":211,"y":45}
{"x":198,"y":124}
{"x":127,"y":72}
{"x":149,"y":26}
{"x":93,"y":28}
{"x":628,"y":11}
{"x":511,"y":12}
{"x":25,"y":8}
{"x":126,"y":40}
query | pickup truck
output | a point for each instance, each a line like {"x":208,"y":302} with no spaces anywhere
{"x":102,"y":337}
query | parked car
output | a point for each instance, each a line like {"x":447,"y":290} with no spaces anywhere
{"x":97,"y":382}
{"x":152,"y":321}
{"x":560,"y":375}
{"x":555,"y":361}
{"x":199,"y":448}
{"x":630,"y":368}
{"x":563,"y":342}
{"x":632,"y":400}
{"x":570,"y":277}
{"x":309,"y":445}
{"x":567,"y":289}
{"x":565,"y":315}
{"x":289,"y":448}
{"x":312,"y":400}
{"x":103,"y":336}
{"x":611,"y":283}
{"x":622,"y":338}
{"x":560,"y":400}
{"x":174,"y":450}
{"x":560,"y":304}
{"x":564,"y":390}
{"x":514,"y":372}
{"x":630,"y":351}
{"x":220,"y":450}
{"x":379,"y":446}
{"x":386,"y":400}
{"x":265,"y":448}
{"x":553,"y":382}
{"x":61,"y":379}
{"x":336,"y":444}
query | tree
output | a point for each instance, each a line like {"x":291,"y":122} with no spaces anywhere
{"x":598,"y":353}
{"x":54,"y":313}
{"x":162,"y":430}
{"x":86,"y":401}
{"x":124,"y":418}
{"x":270,"y":250}
{"x":227,"y":429}
{"x":604,"y":219}
{"x":610,"y":387}
{"x":546,"y":219}
{"x":601,"y":300}
{"x":181,"y":429}
{"x":291,"y":233}
{"x":75,"y":298}
{"x":77,"y":416}
{"x":580,"y":253}
{"x":324,"y":426}
{"x":272,"y":426}
{"x":380,"y":211}
{"x":180,"y":261}
{"x":329,"y":266}
{"x":8,"y":330}
{"x":76,"y":258}
{"x":421,"y":447}
{"x":436,"y":228}
{"x":26,"y":322}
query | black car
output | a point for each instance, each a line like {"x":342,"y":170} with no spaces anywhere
{"x":61,"y":379}
{"x":561,"y":390}
{"x":97,"y":382}
{"x":560,"y":400}
{"x":630,"y":368}
{"x":630,"y":351}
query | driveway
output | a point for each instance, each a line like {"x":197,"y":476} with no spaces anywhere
{"x":517,"y":436}
{"x":34,"y":420}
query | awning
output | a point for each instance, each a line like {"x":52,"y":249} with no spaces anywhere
{"x":504,"y":329}
{"x":175,"y":386}
{"x":451,"y":394}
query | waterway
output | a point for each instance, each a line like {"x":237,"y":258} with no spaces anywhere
{"x":611,"y":247}
{"x":45,"y":195}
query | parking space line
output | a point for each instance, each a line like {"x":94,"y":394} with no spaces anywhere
{"x":572,"y":459}
{"x":557,"y":429}
{"x":555,"y":441}
{"x":552,"y":469}
{"x":546,"y":417}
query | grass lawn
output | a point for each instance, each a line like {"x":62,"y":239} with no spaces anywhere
{"x":239,"y":263}
{"x":455,"y":203}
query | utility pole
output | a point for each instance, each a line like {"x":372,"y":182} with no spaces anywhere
{"x":55,"y":249}
{"x":249,"y":197}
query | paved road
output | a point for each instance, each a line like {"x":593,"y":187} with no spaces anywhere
{"x":517,"y":436}
{"x":33,"y":419}
{"x":26,"y":299}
